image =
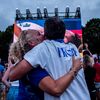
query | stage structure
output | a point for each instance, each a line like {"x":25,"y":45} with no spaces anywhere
{"x":36,"y":20}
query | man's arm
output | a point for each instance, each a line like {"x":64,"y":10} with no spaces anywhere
{"x":57,"y":87}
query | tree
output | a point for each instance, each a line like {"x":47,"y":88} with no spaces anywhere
{"x":91,"y":35}
{"x":5,"y":39}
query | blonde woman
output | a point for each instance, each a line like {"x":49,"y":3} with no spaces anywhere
{"x":12,"y":86}
{"x":26,"y":41}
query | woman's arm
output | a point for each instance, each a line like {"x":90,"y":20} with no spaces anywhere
{"x":6,"y":76}
{"x":19,"y":70}
{"x":48,"y":84}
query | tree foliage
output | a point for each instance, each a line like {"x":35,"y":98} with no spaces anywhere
{"x":5,"y":39}
{"x":91,"y":35}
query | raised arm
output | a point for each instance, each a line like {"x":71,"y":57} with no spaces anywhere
{"x":5,"y":77}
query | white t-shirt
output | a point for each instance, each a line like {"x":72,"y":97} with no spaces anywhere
{"x":56,"y":58}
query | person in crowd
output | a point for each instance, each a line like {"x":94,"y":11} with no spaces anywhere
{"x":97,"y":77}
{"x":86,"y":52}
{"x":45,"y":54}
{"x":26,"y":41}
{"x":2,"y":68}
{"x":76,"y":40}
{"x":68,"y":36}
{"x":72,"y":37}
{"x":90,"y":73}
{"x":1,"y":71}
{"x":11,"y":87}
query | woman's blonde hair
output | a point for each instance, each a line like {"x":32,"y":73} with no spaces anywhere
{"x":14,"y":52}
{"x":18,"y":49}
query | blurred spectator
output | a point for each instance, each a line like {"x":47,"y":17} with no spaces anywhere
{"x":1,"y":71}
{"x":97,"y":77}
{"x":84,"y":50}
{"x":87,"y":52}
{"x":68,"y":36}
{"x":76,"y":40}
{"x":89,"y":72}
{"x":1,"y":84}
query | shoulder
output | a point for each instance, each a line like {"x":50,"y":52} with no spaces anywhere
{"x":39,"y":46}
{"x":71,"y":44}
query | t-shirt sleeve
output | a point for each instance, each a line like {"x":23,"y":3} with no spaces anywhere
{"x":35,"y":57}
{"x":36,"y":75}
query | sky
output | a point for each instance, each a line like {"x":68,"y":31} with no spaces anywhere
{"x":89,"y":9}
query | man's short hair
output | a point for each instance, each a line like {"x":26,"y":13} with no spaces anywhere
{"x":54,"y":28}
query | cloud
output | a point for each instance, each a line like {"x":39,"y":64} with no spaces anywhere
{"x":89,"y":8}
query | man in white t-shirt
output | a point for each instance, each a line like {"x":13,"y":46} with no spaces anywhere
{"x":56,"y":57}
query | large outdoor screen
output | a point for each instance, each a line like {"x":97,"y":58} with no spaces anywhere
{"x":72,"y":24}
